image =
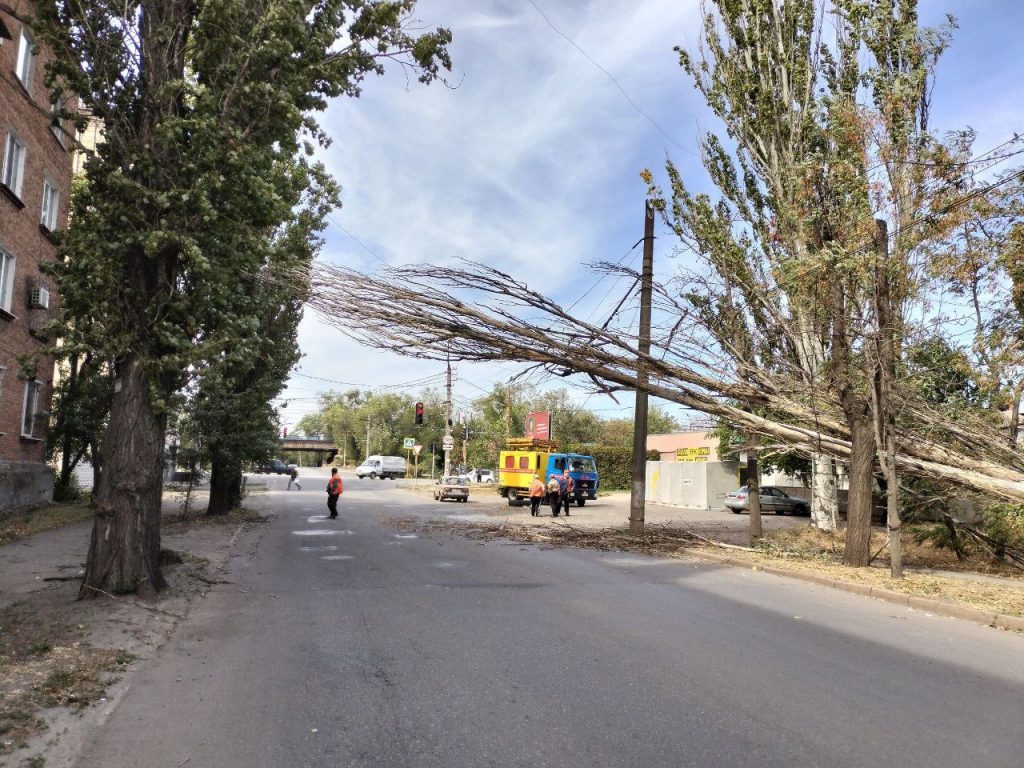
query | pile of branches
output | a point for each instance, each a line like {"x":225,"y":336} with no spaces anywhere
{"x":417,"y":311}
{"x":655,"y":539}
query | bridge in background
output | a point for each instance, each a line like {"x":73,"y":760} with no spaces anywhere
{"x":325,"y":450}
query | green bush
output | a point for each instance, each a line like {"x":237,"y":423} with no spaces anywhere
{"x":615,"y":465}
{"x":1005,"y":524}
{"x":67,"y":492}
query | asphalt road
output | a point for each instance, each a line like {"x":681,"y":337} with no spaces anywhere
{"x":351,"y":643}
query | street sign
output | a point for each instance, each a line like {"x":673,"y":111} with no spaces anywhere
{"x":448,"y":444}
{"x":408,"y":443}
{"x":416,"y":450}
{"x":693,"y":454}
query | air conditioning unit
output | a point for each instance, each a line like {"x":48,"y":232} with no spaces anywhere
{"x":40,"y":298}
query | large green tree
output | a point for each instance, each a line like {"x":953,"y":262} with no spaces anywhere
{"x":236,"y":384}
{"x":201,"y":102}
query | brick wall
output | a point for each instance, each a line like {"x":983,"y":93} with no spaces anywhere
{"x":25,"y":114}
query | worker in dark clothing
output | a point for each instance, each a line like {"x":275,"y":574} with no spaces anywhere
{"x":565,"y":489}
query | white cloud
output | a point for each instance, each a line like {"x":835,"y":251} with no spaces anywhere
{"x":531,"y":162}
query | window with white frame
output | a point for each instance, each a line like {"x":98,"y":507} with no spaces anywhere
{"x":51,"y":203}
{"x":23,"y":66}
{"x":30,"y":421}
{"x":7,"y":262}
{"x":14,"y":164}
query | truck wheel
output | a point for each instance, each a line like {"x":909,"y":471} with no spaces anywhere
{"x":513,"y":497}
{"x":373,"y":475}
{"x":580,"y":502}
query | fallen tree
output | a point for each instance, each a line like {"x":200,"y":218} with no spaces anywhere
{"x":512,"y":322}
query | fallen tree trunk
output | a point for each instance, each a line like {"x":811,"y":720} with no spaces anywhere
{"x":375,"y":310}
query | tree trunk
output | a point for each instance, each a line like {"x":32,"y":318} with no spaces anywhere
{"x":825,"y":494}
{"x":96,"y":459}
{"x":754,"y":495}
{"x":66,"y":467}
{"x":861,"y":475}
{"x":1014,"y":426}
{"x":892,"y":498}
{"x":225,"y":484}
{"x":125,"y":549}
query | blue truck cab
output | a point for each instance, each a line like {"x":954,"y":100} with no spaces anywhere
{"x":582,"y":470}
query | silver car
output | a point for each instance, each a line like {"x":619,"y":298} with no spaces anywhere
{"x":454,"y":488}
{"x":772,"y":500}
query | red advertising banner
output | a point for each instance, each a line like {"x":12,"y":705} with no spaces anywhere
{"x":538,"y":425}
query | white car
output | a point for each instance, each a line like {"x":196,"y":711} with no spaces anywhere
{"x":480,"y":476}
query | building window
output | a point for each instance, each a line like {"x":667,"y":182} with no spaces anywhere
{"x":30,"y":421}
{"x":14,"y":164}
{"x":6,"y":280}
{"x":23,"y":66}
{"x":51,"y":202}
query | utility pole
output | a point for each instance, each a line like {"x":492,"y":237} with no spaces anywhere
{"x":449,"y":441}
{"x":367,"y":436}
{"x":465,"y":438}
{"x":639,"y":485}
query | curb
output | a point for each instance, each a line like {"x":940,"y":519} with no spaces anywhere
{"x":938,"y":607}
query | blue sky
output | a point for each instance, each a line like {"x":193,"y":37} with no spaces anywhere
{"x":531,"y":160}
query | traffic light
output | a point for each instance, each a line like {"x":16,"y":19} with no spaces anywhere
{"x":419,"y":414}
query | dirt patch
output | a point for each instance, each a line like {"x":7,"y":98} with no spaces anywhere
{"x":810,"y":543}
{"x":801,"y":549}
{"x":60,"y":656}
{"x":46,"y":662}
{"x":179,"y":522}
{"x":52,"y":516}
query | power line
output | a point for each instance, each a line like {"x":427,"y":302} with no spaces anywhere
{"x":611,"y":77}
{"x":365,"y":247}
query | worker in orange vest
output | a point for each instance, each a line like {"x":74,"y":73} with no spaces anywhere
{"x":536,"y":495}
{"x":334,"y":490}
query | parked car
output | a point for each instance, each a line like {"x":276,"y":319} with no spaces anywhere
{"x":455,"y":488}
{"x":480,"y":476}
{"x":278,"y":467}
{"x":772,"y":500}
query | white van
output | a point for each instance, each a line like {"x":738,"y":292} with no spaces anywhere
{"x":382,"y":467}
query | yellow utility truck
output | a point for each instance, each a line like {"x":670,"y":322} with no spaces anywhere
{"x":525,"y":457}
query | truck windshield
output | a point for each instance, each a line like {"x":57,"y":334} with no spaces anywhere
{"x":581,"y":465}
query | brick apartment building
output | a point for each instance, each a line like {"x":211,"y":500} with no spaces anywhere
{"x":35,"y":187}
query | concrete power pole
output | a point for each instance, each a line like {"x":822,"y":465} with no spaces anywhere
{"x":367,"y":436}
{"x":449,"y":441}
{"x":639,"y":485}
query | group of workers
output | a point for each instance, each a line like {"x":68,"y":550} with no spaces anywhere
{"x":559,"y":491}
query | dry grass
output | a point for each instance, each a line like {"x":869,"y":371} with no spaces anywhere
{"x":797,"y":549}
{"x":177,"y":523}
{"x":47,"y":665}
{"x":22,"y":524}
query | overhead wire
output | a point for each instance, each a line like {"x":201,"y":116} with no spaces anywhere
{"x":611,"y":77}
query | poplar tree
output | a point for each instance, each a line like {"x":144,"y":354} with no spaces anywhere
{"x":202,"y":102}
